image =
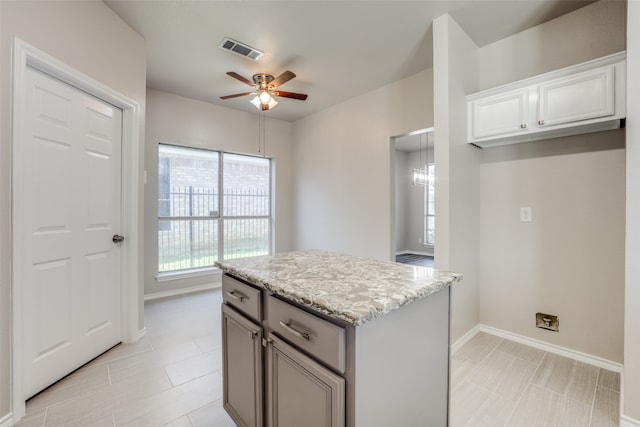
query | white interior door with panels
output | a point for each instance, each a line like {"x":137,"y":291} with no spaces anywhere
{"x":67,"y":211}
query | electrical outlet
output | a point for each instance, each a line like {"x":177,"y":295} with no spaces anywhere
{"x":525,"y":214}
{"x":548,"y":322}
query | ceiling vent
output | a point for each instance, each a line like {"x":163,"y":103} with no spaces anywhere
{"x":240,"y":48}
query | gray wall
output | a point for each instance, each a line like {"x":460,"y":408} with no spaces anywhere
{"x":89,"y":37}
{"x":183,"y":121}
{"x":457,"y":201}
{"x":570,"y":260}
{"x":342,"y":160}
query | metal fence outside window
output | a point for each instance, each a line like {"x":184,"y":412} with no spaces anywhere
{"x":189,"y":226}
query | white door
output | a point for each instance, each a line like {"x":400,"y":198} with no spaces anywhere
{"x":66,"y":210}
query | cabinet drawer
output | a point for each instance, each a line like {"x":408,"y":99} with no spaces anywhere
{"x":318,"y":337}
{"x":242,"y":296}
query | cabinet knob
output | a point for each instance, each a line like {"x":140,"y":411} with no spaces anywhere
{"x":540,"y":122}
{"x":523,"y":126}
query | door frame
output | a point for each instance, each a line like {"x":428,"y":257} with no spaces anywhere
{"x":25,"y":55}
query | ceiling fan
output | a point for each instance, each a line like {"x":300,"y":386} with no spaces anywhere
{"x":265,"y":89}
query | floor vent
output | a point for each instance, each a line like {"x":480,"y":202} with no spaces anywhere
{"x":240,"y":48}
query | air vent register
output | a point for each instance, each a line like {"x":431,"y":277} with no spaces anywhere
{"x":240,"y":49}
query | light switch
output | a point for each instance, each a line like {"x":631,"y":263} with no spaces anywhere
{"x":525,"y":214}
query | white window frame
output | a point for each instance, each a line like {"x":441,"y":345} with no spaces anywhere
{"x":430,"y":183}
{"x":220,"y":218}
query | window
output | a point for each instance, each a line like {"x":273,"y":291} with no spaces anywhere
{"x":430,"y":211}
{"x":246,"y":205}
{"x":211,"y":205}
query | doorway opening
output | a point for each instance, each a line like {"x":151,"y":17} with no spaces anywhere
{"x":413,"y":204}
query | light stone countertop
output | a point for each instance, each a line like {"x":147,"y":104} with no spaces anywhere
{"x":345,"y":287}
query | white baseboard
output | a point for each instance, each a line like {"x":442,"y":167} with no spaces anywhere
{"x":464,"y":339}
{"x":545,"y":346}
{"x":142,"y":333}
{"x":182,"y":291}
{"x":628,"y":422}
{"x":7,"y":420}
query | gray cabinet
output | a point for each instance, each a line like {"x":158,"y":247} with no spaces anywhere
{"x":286,"y":365}
{"x":242,"y":362}
{"x":300,"y":391}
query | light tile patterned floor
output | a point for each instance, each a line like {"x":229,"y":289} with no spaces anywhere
{"x":172,"y":378}
{"x":496,"y":382}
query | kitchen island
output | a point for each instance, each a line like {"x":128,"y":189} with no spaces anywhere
{"x":323,"y":339}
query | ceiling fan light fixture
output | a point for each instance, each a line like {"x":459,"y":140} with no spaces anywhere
{"x":265,"y":97}
{"x":272,"y":103}
{"x":264,"y":86}
{"x":257,"y":102}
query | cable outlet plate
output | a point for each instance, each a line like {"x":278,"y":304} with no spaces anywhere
{"x":548,"y":322}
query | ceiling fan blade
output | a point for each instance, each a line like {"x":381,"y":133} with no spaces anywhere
{"x":282,"y":78}
{"x":292,"y":95}
{"x":236,"y":95}
{"x":239,"y":77}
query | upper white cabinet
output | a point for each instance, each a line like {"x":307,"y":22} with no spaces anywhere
{"x":502,"y":114}
{"x":584,"y":98}
{"x":587,"y":95}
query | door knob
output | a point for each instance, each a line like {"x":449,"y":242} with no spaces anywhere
{"x":117,"y":238}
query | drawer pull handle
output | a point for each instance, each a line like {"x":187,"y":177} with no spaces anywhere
{"x":300,"y":334}
{"x":236,"y":295}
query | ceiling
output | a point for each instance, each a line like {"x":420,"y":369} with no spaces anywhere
{"x":338,"y":49}
{"x":415,"y":141}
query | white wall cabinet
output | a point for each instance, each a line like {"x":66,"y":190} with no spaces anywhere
{"x":587,"y":97}
{"x":502,"y":114}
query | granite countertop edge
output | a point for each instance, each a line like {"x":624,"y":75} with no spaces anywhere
{"x":355,"y":314}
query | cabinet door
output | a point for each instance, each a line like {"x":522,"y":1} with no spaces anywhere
{"x":583,"y":96}
{"x":497,"y":115}
{"x":242,"y":368}
{"x":301,"y":392}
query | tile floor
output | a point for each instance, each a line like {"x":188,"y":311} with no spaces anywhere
{"x":497,"y":382}
{"x":172,"y":378}
{"x":414,"y":259}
